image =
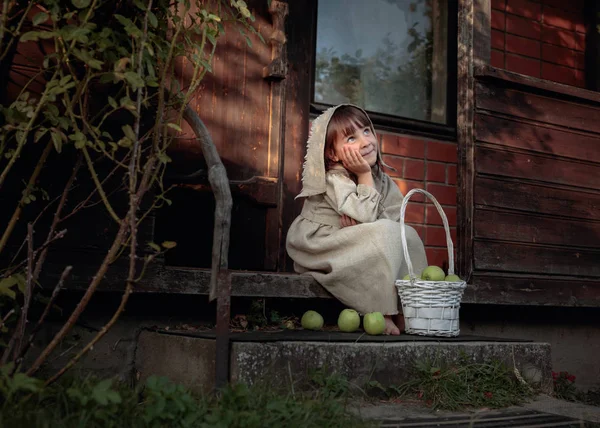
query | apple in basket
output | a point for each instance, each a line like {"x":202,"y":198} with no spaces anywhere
{"x":433,"y":273}
{"x":452,"y":278}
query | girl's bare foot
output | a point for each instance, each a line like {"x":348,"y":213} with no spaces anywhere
{"x":390,"y":327}
{"x":399,"y":321}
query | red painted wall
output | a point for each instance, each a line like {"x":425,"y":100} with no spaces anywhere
{"x":429,"y":165}
{"x":543,"y":38}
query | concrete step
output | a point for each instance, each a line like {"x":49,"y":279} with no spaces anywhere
{"x":289,"y":356}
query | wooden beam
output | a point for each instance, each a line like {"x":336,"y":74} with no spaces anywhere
{"x":177,"y":280}
{"x":262,"y":190}
{"x":277,"y":74}
{"x":535,"y":85}
{"x":465,"y":137}
{"x":482,"y":31}
{"x":300,"y":33}
{"x":486,"y":287}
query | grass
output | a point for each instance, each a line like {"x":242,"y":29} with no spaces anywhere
{"x":160,"y":403}
{"x":462,"y":385}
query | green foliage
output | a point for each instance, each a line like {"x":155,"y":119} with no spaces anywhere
{"x":168,"y":404}
{"x":464,"y":384}
{"x":105,"y":93}
{"x":160,"y":403}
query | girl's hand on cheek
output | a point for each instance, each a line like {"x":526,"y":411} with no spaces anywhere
{"x":346,"y":221}
{"x":354,"y":162}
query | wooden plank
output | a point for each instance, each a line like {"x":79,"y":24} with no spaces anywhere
{"x":540,"y":108}
{"x":277,"y":73}
{"x":161,"y":279}
{"x":528,"y":83}
{"x":482,"y":31}
{"x":300,"y":30}
{"x":509,"y":257}
{"x":536,"y":137}
{"x":535,"y":229}
{"x":492,"y":288}
{"x":233,"y":101}
{"x":532,"y":290}
{"x":490,"y":192}
{"x":534,"y":167}
{"x":465,"y":140}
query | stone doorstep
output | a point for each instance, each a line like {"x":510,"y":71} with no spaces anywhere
{"x":191,"y":360}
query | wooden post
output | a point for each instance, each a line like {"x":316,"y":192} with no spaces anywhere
{"x":276,"y":72}
{"x":464,"y":135}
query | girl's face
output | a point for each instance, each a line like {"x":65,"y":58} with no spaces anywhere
{"x":361,"y":139}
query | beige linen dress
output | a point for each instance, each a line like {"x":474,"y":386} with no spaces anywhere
{"x":357,"y":264}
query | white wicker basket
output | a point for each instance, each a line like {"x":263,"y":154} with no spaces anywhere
{"x":430,"y":307}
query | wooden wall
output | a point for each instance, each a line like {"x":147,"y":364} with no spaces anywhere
{"x":536,"y":192}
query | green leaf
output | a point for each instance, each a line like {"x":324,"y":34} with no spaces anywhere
{"x":80,"y":4}
{"x":30,"y":36}
{"x":112,"y":103}
{"x":39,"y":134}
{"x":128,"y":131}
{"x":56,"y":140}
{"x":134,"y":80}
{"x":154,"y":246}
{"x":245,"y":12}
{"x":163,"y":158}
{"x":211,"y":38}
{"x":175,"y":127}
{"x":40,"y":18}
{"x":21,"y":282}
{"x":22,"y":382}
{"x":125,"y":142}
{"x":5,"y":287}
{"x":169,"y":244}
{"x":152,"y":20}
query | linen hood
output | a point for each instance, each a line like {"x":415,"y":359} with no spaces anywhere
{"x":313,"y":170}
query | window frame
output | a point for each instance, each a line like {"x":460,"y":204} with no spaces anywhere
{"x":391,"y":123}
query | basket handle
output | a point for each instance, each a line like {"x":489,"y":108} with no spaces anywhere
{"x":446,"y":228}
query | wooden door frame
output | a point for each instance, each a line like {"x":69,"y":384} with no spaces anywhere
{"x":474,"y":49}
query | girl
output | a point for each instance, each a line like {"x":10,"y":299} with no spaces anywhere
{"x":348,"y":234}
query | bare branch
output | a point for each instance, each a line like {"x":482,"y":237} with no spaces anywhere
{"x":34,"y":176}
{"x":6,"y":317}
{"x":99,"y":187}
{"x":16,"y":339}
{"x":217,"y":176}
{"x":40,"y":322}
{"x":44,"y":247}
{"x":98,"y":336}
{"x":56,"y":219}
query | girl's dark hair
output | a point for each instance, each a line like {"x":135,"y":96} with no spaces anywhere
{"x":344,"y":122}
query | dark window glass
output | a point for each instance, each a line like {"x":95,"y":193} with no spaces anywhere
{"x":388,"y":56}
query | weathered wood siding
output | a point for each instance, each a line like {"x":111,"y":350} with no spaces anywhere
{"x":536,"y":192}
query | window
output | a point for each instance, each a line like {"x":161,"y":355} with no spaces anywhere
{"x":388,"y":56}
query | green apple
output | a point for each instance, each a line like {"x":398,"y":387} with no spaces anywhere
{"x":349,"y":320}
{"x":452,"y":278}
{"x":433,"y":273}
{"x":406,"y":277}
{"x":374,"y":323}
{"x":312,"y":320}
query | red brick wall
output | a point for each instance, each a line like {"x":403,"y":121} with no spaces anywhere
{"x":429,"y":165}
{"x":540,"y":38}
